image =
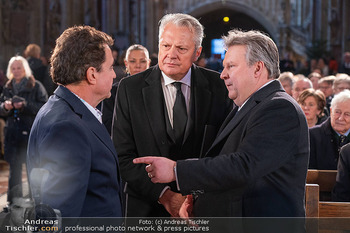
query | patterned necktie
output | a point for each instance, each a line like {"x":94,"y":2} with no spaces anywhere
{"x":179,"y":114}
{"x":342,"y":140}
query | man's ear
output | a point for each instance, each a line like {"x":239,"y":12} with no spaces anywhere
{"x":90,"y":75}
{"x":198,"y":53}
{"x":259,"y":67}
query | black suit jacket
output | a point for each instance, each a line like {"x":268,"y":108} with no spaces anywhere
{"x":141,"y":129}
{"x":257,"y":165}
{"x":323,"y":147}
{"x":341,"y":191}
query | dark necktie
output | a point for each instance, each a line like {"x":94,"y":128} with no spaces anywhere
{"x":179,"y":114}
{"x":342,"y":140}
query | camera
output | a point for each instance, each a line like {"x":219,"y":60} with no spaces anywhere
{"x":27,"y":214}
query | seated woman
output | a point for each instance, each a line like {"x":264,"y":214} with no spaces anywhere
{"x":313,"y":102}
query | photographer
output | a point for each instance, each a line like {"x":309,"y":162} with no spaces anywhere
{"x":21,"y":99}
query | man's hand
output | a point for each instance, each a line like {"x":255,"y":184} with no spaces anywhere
{"x":160,"y":169}
{"x":185,"y":211}
{"x":172,"y":202}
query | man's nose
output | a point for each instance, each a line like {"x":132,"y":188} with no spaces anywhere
{"x":172,"y":53}
{"x":223,"y":74}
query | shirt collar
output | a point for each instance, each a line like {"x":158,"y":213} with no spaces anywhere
{"x":346,"y":133}
{"x":253,"y":93}
{"x":185,"y":80}
{"x":97,"y":113}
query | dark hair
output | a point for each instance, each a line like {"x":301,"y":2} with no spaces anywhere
{"x":77,"y":49}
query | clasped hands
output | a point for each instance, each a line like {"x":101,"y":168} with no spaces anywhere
{"x":161,"y":170}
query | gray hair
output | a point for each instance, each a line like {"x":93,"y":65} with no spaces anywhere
{"x":287,"y":76}
{"x":260,"y":47}
{"x":302,"y":78}
{"x":183,"y":20}
{"x":341,"y":97}
{"x":25,"y":64}
{"x":136,"y":47}
{"x":341,"y":79}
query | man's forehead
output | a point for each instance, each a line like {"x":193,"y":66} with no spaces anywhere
{"x":343,"y":106}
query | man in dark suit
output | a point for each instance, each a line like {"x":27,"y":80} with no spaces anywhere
{"x":327,"y":138}
{"x":341,"y":191}
{"x":154,"y":117}
{"x":345,"y":66}
{"x":68,"y":138}
{"x":257,"y":165}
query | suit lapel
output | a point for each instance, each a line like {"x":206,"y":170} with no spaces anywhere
{"x":254,"y":100}
{"x":200,"y":97}
{"x":153,"y":98}
{"x":88,"y":118}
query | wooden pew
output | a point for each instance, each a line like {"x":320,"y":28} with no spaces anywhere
{"x":330,"y":216}
{"x":325,"y":179}
{"x":312,"y":200}
{"x":334,"y":209}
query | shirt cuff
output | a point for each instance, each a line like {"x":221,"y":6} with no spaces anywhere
{"x":161,"y":194}
{"x":177,"y":183}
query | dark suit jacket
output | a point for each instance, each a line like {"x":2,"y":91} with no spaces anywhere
{"x":323,"y":147}
{"x":141,"y":129}
{"x":341,"y":191}
{"x":76,"y":149}
{"x":257,"y":165}
{"x":107,"y":108}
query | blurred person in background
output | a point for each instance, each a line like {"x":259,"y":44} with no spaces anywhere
{"x":323,"y":66}
{"x":341,"y":83}
{"x":21,"y":99}
{"x":39,"y":69}
{"x":326,"y":86}
{"x":333,"y":66}
{"x":119,"y":69}
{"x":312,"y":102}
{"x":301,"y":83}
{"x":136,"y":60}
{"x":287,"y":81}
{"x":345,"y":66}
{"x":315,"y":78}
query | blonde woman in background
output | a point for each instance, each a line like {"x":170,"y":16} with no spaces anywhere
{"x":21,"y":99}
{"x":136,"y":59}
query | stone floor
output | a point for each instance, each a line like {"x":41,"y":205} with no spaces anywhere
{"x":4,"y":173}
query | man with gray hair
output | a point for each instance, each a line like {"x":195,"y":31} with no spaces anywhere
{"x":257,"y":165}
{"x":167,"y":110}
{"x":301,"y":83}
{"x":286,"y":80}
{"x":341,"y":83}
{"x":327,"y":138}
